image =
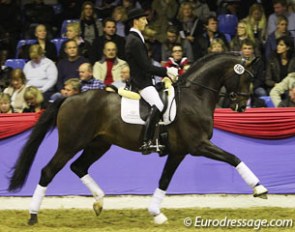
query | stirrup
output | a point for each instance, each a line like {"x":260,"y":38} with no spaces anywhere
{"x":148,"y":147}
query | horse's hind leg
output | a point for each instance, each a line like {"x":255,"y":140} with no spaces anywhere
{"x":96,"y":149}
{"x":211,"y":151}
{"x":58,"y":161}
{"x":171,"y":165}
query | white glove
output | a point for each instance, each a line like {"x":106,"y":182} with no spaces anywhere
{"x":172,"y":72}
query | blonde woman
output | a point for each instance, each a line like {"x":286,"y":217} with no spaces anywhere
{"x":91,"y":27}
{"x":257,"y":21}
{"x":244,"y":32}
{"x":120,"y":16}
{"x":217,"y":45}
{"x":34,"y":100}
{"x":40,"y":71}
{"x":74,"y":33}
{"x":16,"y":90}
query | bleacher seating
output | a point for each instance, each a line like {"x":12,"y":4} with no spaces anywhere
{"x":58,"y":42}
{"x":22,"y":43}
{"x":15,"y":63}
{"x":227,"y":24}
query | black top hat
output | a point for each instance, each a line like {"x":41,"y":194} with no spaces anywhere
{"x":136,"y":13}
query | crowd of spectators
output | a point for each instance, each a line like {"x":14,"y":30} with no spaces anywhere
{"x":179,"y":33}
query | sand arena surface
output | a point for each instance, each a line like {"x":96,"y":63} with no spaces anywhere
{"x":141,"y":202}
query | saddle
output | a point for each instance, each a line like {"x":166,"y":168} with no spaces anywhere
{"x":134,"y":109}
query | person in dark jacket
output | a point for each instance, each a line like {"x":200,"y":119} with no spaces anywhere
{"x":142,"y":72}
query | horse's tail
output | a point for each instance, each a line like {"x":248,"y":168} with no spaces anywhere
{"x":25,"y":160}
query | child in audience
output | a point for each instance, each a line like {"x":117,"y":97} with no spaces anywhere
{"x":5,"y":104}
{"x":34,"y":99}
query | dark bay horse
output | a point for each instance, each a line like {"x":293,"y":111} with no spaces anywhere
{"x":91,"y":122}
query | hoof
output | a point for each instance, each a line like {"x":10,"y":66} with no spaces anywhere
{"x":160,"y":219}
{"x":33,"y":220}
{"x":98,"y":206}
{"x":260,"y":191}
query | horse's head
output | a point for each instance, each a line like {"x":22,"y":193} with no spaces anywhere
{"x":238,"y":86}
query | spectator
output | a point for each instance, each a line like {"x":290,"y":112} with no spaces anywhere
{"x":73,"y":32}
{"x":48,"y":47}
{"x":217,"y":46}
{"x":281,"y":63}
{"x":189,"y":25}
{"x":281,"y":9}
{"x":68,"y":66}
{"x":164,"y":12}
{"x":72,"y":86}
{"x":154,"y":44}
{"x":120,"y":15}
{"x":200,"y":9}
{"x":40,"y":71}
{"x":124,"y":82}
{"x":281,"y":30}
{"x":247,"y":51}
{"x":109,"y":34}
{"x":34,"y":100}
{"x":280,"y":89}
{"x":91,"y":27}
{"x":244,"y":32}
{"x":108,"y":69}
{"x":16,"y":90}
{"x":88,"y":82}
{"x":177,"y":59}
{"x":5,"y":104}
{"x":172,"y":38}
{"x":257,"y":21}
{"x":203,"y":42}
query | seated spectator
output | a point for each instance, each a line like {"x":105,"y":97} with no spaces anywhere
{"x":91,"y":27}
{"x":177,"y":59}
{"x":280,"y":8}
{"x":108,"y":69}
{"x":257,"y":21}
{"x":40,"y":71}
{"x":172,"y":37}
{"x":16,"y":90}
{"x":72,"y":86}
{"x":109,"y":34}
{"x":68,"y":66}
{"x":202,"y":42}
{"x":124,"y":82}
{"x":189,"y":25}
{"x":247,"y":51}
{"x":290,"y":100}
{"x":281,"y":30}
{"x":281,"y":63}
{"x":5,"y":104}
{"x":278,"y":92}
{"x":200,"y":9}
{"x":34,"y":100}
{"x":217,"y":46}
{"x":73,"y":32}
{"x":244,"y":32}
{"x":164,"y":12}
{"x":88,"y":82}
{"x":120,"y":16}
{"x":154,"y":44}
{"x":48,"y":47}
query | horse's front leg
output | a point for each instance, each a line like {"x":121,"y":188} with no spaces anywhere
{"x":211,"y":151}
{"x":171,"y":165}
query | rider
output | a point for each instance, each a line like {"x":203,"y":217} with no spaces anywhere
{"x":142,"y":74}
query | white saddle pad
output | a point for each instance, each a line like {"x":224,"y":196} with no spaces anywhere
{"x":130,"y":110}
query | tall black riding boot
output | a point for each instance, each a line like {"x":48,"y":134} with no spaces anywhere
{"x":150,"y":127}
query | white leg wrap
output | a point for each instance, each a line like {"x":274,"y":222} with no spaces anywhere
{"x":158,"y":196}
{"x":38,"y":196}
{"x":92,"y":186}
{"x":248,"y":176}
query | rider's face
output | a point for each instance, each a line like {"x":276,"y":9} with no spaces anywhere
{"x":140,"y":23}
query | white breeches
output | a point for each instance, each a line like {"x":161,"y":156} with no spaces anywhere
{"x":151,"y":96}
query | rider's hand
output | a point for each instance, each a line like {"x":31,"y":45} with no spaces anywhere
{"x":172,"y":72}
